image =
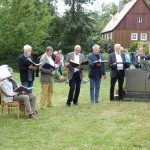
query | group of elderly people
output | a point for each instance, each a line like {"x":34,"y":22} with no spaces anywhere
{"x":116,"y":62}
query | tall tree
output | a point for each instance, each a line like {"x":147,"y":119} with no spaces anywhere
{"x":78,"y":25}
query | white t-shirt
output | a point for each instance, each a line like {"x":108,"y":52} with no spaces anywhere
{"x":119,"y":60}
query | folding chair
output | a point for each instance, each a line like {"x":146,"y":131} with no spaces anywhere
{"x":19,"y":105}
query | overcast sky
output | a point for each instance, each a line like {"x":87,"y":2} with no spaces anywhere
{"x":97,"y":3}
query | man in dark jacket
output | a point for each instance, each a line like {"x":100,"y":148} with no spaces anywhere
{"x":26,"y":71}
{"x":116,"y":62}
{"x":96,"y":70}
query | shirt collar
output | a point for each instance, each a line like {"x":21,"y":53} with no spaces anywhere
{"x":118,"y":53}
{"x":76,"y":54}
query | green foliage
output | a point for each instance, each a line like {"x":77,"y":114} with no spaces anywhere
{"x":133,"y":46}
{"x":23,"y":22}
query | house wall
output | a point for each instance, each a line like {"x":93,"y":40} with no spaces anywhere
{"x":129,"y":22}
{"x":124,"y":36}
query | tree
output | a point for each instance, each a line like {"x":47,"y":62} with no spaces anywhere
{"x":23,"y":22}
{"x":78,"y":25}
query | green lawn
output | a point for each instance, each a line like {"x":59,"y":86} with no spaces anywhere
{"x":103,"y":126}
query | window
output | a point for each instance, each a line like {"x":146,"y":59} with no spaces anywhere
{"x":144,"y":36}
{"x":139,"y":20}
{"x":134,"y":36}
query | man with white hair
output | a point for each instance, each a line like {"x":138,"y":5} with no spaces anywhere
{"x":116,"y":63}
{"x":75,"y":75}
{"x":8,"y":95}
{"x":96,"y":71}
{"x":26,"y":71}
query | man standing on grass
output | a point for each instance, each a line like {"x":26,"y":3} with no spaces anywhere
{"x":26,"y":71}
{"x":95,"y":73}
{"x":46,"y":78}
{"x":116,"y":63}
{"x":75,"y":75}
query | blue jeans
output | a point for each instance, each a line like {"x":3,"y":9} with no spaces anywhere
{"x":94,"y":89}
{"x":57,"y":70}
{"x":28,"y":84}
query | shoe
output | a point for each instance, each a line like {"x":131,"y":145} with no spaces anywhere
{"x":35,"y":113}
{"x":91,"y":101}
{"x":76,"y":104}
{"x":68,"y":104}
{"x":96,"y":101}
{"x":112,"y":100}
{"x":32,"y":116}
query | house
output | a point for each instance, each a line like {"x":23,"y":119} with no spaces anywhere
{"x":130,"y":24}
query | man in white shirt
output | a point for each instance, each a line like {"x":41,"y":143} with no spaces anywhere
{"x":116,"y":62}
{"x":75,"y":75}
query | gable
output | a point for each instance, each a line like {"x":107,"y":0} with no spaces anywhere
{"x":122,"y":19}
{"x":130,"y":21}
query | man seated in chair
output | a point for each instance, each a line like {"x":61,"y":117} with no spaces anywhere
{"x":8,"y":85}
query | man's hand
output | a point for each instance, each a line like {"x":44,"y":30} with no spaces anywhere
{"x":32,"y":67}
{"x":114,"y":64}
{"x":98,"y":64}
{"x":68,"y":64}
{"x":105,"y":77}
{"x":23,"y":92}
{"x":81,"y":67}
{"x":1,"y":79}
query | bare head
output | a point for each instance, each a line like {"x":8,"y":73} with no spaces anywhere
{"x":10,"y":70}
{"x":122,"y":49}
{"x":141,"y":50}
{"x":27,"y":50}
{"x":49,"y":51}
{"x":77,"y":49}
{"x":60,"y":51}
{"x":96,"y":49}
{"x":117,"y":48}
{"x":55,"y":53}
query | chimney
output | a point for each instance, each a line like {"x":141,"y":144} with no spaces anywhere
{"x":120,"y":6}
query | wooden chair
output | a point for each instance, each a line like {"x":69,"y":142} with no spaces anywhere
{"x":19,"y":106}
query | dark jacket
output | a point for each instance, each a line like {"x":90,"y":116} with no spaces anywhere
{"x":94,"y":71}
{"x":23,"y":68}
{"x":113,"y":69}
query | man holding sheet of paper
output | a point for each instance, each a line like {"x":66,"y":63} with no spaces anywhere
{"x":75,"y":75}
{"x":47,"y":72}
{"x":8,"y":87}
{"x":96,"y":71}
{"x":26,"y":70}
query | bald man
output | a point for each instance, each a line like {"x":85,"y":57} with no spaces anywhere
{"x":116,"y":62}
{"x":75,"y":75}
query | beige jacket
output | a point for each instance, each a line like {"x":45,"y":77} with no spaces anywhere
{"x":46,"y":75}
{"x":70,"y":56}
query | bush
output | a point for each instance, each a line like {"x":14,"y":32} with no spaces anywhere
{"x":133,"y":46}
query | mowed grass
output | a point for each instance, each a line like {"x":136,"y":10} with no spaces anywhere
{"x":103,"y":126}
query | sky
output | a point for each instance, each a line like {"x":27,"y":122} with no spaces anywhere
{"x":97,"y":3}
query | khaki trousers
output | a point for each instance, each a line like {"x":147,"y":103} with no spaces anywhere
{"x":28,"y":100}
{"x":46,"y":94}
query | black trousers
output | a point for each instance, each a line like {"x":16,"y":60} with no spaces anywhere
{"x":74,"y":90}
{"x":120,"y":78}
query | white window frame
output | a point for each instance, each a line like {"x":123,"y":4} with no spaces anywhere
{"x":134,"y":35}
{"x":143,"y":39}
{"x":139,"y":20}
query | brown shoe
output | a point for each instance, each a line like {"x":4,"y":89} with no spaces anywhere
{"x":32,"y":116}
